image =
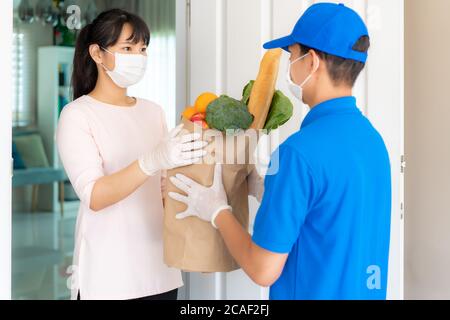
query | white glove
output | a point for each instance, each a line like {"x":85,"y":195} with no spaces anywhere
{"x":202,"y":202}
{"x":174,"y":151}
{"x":255,"y":185}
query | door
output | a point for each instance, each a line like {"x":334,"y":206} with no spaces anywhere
{"x":224,"y":44}
{"x":6,"y":11}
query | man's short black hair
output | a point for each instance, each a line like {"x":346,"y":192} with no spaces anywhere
{"x":343,"y":71}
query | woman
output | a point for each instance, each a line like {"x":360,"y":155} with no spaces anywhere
{"x":115,"y":149}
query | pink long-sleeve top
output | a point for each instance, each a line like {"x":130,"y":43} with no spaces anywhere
{"x":119,"y":250}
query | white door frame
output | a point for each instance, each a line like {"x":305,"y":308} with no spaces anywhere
{"x":386,"y":111}
{"x":6,"y":32}
{"x":182,"y":85}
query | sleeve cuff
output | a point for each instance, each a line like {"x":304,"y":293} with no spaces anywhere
{"x":87,"y":194}
{"x":270,"y":245}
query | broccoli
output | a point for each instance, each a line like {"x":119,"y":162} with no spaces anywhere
{"x":227,"y":113}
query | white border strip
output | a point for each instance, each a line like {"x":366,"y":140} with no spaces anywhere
{"x":6,"y":31}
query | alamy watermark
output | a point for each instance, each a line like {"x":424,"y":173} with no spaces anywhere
{"x":374,"y":278}
{"x":74,"y":17}
{"x":242,"y":147}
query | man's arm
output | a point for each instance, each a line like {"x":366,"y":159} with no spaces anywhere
{"x":210,"y":204}
{"x":262,"y":266}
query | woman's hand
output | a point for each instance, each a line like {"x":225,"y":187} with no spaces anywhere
{"x":174,"y":151}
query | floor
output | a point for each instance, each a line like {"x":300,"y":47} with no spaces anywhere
{"x":43,"y":245}
{"x":42,"y":251}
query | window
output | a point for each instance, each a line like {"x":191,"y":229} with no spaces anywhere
{"x":22,"y":114}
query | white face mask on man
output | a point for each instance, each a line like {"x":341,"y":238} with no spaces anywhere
{"x":129,"y":68}
{"x":297,"y":90}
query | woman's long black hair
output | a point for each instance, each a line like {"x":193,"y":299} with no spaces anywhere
{"x":105,"y":31}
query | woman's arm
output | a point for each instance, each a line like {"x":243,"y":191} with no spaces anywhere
{"x":173,"y":151}
{"x":111,"y":189}
{"x":83,"y":163}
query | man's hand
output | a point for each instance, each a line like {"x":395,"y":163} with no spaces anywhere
{"x":256,"y":185}
{"x":203,"y":202}
{"x":262,"y":266}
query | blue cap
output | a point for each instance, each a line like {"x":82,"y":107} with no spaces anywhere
{"x":327,"y":27}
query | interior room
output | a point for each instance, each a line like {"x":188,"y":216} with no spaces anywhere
{"x":216,"y":46}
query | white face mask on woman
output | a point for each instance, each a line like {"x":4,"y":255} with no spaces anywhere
{"x":129,"y":69}
{"x":297,"y":90}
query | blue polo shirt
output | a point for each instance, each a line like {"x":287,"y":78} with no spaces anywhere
{"x":329,"y":208}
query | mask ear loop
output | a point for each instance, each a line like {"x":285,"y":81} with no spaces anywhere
{"x":298,"y":59}
{"x":104,"y":67}
{"x":106,"y":50}
{"x":290,"y":66}
{"x":312,"y":73}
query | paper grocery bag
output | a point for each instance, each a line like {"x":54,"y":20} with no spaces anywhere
{"x":194,"y":245}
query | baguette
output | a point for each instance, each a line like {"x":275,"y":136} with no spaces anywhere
{"x":264,"y":88}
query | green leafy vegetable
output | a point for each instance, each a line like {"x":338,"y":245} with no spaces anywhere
{"x":247,"y":92}
{"x":281,"y":109}
{"x":280,"y":112}
{"x":227,"y":113}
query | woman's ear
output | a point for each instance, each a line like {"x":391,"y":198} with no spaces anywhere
{"x":95,"y":52}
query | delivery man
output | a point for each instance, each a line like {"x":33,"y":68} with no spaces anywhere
{"x":323,"y":228}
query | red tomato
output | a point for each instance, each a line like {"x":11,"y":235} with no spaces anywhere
{"x":202,"y":123}
{"x":198,"y":117}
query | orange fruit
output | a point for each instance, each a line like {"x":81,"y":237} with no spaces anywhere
{"x":204,"y":100}
{"x":189,"y":113}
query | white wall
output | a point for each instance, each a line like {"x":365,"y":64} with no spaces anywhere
{"x":226,"y":38}
{"x":427,"y":189}
{"x":5,"y":150}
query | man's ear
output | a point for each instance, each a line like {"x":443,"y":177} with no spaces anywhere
{"x":95,"y":52}
{"x":315,"y":61}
